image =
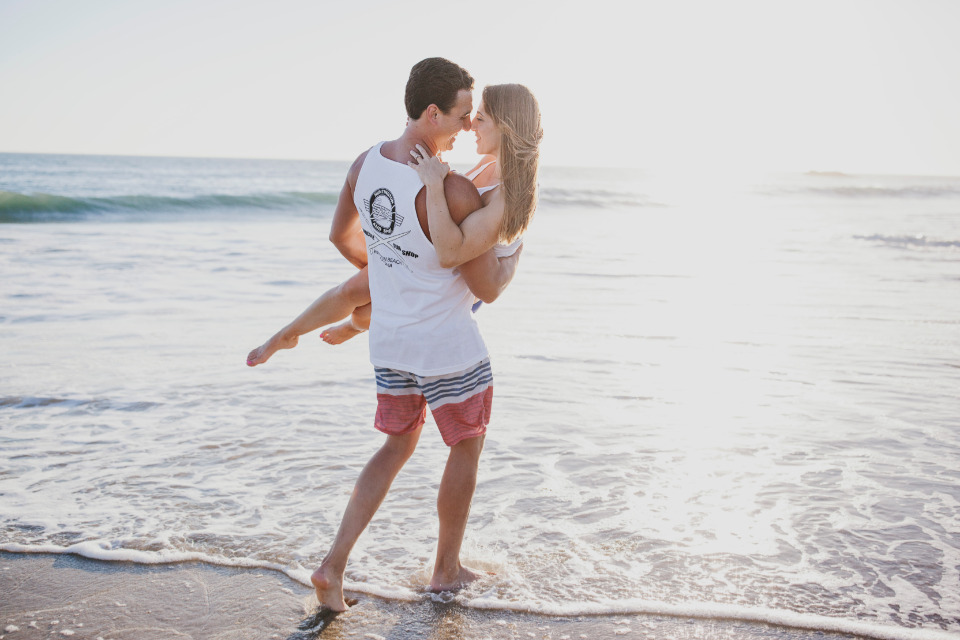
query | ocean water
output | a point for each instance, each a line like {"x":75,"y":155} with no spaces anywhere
{"x":715,"y":395}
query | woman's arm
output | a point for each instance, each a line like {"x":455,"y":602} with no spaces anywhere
{"x":488,"y":276}
{"x":455,"y":244}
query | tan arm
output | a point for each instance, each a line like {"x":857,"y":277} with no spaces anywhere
{"x":488,"y":276}
{"x":345,"y":231}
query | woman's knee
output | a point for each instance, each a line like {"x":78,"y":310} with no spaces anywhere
{"x":361,"y":317}
{"x":356,"y":289}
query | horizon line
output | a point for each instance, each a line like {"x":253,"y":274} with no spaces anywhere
{"x":792,"y":170}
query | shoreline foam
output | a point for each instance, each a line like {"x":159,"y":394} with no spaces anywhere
{"x":788,"y":624}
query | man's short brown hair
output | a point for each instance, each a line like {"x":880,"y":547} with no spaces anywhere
{"x":435,"y":81}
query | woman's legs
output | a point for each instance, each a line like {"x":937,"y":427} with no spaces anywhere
{"x":333,"y":306}
{"x":357,"y":289}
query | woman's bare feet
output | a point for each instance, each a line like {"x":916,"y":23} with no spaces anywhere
{"x":262,"y":353}
{"x":341,"y":332}
{"x":329,"y":586}
{"x":455,"y":582}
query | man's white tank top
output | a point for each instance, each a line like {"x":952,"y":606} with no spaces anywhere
{"x":421,"y":320}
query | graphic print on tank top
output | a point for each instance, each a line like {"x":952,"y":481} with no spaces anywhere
{"x":381,"y":207}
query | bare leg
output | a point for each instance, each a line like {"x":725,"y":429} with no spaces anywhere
{"x":333,"y":306}
{"x":357,"y":323}
{"x":282,"y":339}
{"x":368,"y":494}
{"x":453,"y":508}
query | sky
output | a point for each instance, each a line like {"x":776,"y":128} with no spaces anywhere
{"x":863,"y":86}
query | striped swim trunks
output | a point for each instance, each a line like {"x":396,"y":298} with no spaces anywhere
{"x":460,"y":402}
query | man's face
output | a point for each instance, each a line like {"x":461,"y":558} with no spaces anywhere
{"x":457,"y":120}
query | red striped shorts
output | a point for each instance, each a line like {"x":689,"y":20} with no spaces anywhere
{"x":460,"y":402}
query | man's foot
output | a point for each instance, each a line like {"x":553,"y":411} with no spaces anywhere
{"x":329,"y":586}
{"x":321,"y":619}
{"x":262,"y":353}
{"x":455,"y":582}
{"x":341,"y":332}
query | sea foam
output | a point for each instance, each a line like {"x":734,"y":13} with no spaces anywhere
{"x":701,"y":610}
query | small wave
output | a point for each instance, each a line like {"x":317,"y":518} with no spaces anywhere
{"x":100,"y":550}
{"x":43,"y":207}
{"x":713,"y":611}
{"x":919,"y":240}
{"x":891,"y":192}
{"x":594,"y":198}
{"x":29,"y":402}
{"x":103,"y":551}
{"x":828,"y":174}
{"x":701,"y":610}
{"x":865,"y":192}
{"x":33,"y":402}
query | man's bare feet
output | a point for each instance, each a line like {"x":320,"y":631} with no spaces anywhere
{"x":262,"y":353}
{"x":341,"y":332}
{"x":329,"y":586}
{"x":455,"y":582}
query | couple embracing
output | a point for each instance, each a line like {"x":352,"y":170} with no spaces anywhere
{"x":430,"y":245}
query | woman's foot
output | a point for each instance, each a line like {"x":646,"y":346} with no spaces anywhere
{"x":262,"y":353}
{"x":341,"y":332}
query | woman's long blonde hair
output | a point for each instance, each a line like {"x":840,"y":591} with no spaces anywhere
{"x":517,"y":115}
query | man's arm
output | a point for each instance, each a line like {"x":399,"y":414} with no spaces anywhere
{"x":456,"y":241}
{"x":487,"y":276}
{"x":345,"y":232}
{"x":462,"y":200}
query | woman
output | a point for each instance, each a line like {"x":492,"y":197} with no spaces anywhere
{"x":508,"y":129}
{"x":507,"y":126}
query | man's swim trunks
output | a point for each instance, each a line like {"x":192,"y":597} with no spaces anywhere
{"x":460,"y":402}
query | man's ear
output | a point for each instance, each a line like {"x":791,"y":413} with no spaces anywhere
{"x":433,"y":113}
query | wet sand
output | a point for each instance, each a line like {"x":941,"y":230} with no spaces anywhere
{"x":70,"y":597}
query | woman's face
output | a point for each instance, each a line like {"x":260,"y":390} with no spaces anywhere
{"x":488,"y":134}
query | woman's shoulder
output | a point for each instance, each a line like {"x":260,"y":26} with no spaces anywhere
{"x":492,"y":198}
{"x":484,"y":159}
{"x":484,"y":162}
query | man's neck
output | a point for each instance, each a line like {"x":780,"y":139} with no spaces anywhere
{"x":412,"y":136}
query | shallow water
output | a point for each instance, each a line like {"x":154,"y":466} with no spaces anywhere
{"x":711,"y":396}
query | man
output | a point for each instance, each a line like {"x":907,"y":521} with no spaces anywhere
{"x":424,"y":343}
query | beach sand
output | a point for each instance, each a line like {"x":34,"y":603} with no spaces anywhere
{"x":66,"y":596}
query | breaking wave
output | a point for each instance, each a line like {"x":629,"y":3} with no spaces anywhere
{"x":44,"y":207}
{"x":702,"y":610}
{"x":871,"y":191}
{"x":919,"y":241}
{"x":594,"y":198}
